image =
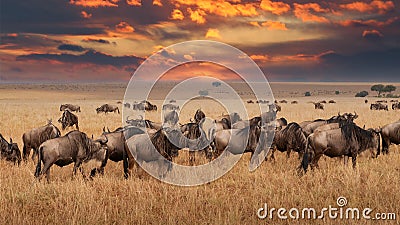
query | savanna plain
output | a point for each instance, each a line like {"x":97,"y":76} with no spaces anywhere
{"x":232,"y":199}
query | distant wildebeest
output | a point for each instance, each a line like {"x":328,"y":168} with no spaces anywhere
{"x":119,"y":102}
{"x":153,"y":148}
{"x":9,"y":151}
{"x":106,"y":108}
{"x":378,"y":106}
{"x":349,"y":141}
{"x":294,"y":102}
{"x":323,"y":101}
{"x":141,"y":123}
{"x":366,"y":101}
{"x":318,"y":105}
{"x":226,"y":121}
{"x":394,"y":100}
{"x":381,"y":101}
{"x":262,"y":101}
{"x":75,"y":147}
{"x":68,"y":119}
{"x":127,"y":105}
{"x":172,"y":101}
{"x":116,"y":144}
{"x":332,"y":102}
{"x":34,"y":138}
{"x":283,"y":101}
{"x":396,"y":106}
{"x":72,"y":108}
{"x":278,"y":108}
{"x":289,"y":138}
{"x":390,"y":134}
{"x":171,"y":119}
{"x":250,"y":101}
{"x":144,"y":106}
{"x":170,"y":107}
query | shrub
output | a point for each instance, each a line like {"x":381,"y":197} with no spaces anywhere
{"x":362,"y":94}
{"x":337,"y":92}
{"x":307,"y":93}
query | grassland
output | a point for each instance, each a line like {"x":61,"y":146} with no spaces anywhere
{"x":233,"y":199}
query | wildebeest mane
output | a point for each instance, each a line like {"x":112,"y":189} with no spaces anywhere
{"x":162,"y":143}
{"x":356,"y":137}
{"x":295,"y":134}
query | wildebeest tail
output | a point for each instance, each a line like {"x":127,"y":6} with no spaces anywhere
{"x":306,"y":157}
{"x":125,"y":161}
{"x":39,"y":163}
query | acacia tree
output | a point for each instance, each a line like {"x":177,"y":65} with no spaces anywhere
{"x":378,"y":88}
{"x":389,"y":88}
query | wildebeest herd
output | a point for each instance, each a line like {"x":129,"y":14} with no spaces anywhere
{"x":338,"y":136}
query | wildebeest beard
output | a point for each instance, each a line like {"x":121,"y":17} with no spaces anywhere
{"x":358,"y":138}
{"x":164,"y":146}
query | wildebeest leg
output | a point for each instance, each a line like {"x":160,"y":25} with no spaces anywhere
{"x":77,"y":164}
{"x":315,"y":160}
{"x":82,"y":172}
{"x":34,"y":154}
{"x":346,"y":159}
{"x":273,"y":154}
{"x":354,"y":160}
{"x":25,"y":153}
{"x":288,"y":150}
{"x":77,"y":127}
{"x":46,"y":170}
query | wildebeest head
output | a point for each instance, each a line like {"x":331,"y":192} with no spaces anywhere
{"x":199,"y":115}
{"x":98,"y":148}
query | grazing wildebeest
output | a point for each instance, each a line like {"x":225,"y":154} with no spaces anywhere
{"x":172,"y":101}
{"x":116,"y":144}
{"x":34,"y":138}
{"x":395,"y":106}
{"x":294,"y":102}
{"x":323,"y":101}
{"x":378,"y":106}
{"x":148,"y":106}
{"x":68,"y":119}
{"x":394,"y":100}
{"x":250,"y":101}
{"x":318,"y":105}
{"x":381,"y":101}
{"x":332,"y":102}
{"x":72,"y":108}
{"x":127,"y":105}
{"x":289,"y":138}
{"x":75,"y":147}
{"x":390,"y":134}
{"x":107,"y":108}
{"x":262,"y":101}
{"x":153,"y":148}
{"x":349,"y":140}
{"x":170,"y":107}
{"x":283,"y":101}
{"x":9,"y":151}
{"x":310,"y":126}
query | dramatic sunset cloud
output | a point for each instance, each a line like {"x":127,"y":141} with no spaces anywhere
{"x":106,"y":40}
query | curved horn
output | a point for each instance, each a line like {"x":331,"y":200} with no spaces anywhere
{"x":11,"y":140}
{"x":108,"y":130}
{"x":104,"y":130}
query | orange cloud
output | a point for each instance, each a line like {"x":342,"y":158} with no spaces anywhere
{"x":86,"y":15}
{"x":374,"y":33}
{"x":261,"y":58}
{"x":213,"y":33}
{"x":220,"y":7}
{"x":277,"y":8}
{"x":134,"y":2}
{"x":303,"y":12}
{"x":124,"y":27}
{"x":376,"y":5}
{"x":375,"y":23}
{"x":177,"y":15}
{"x":197,"y":15}
{"x":12,"y":35}
{"x":95,"y":3}
{"x":290,"y":58}
{"x":157,"y":3}
{"x":254,"y":23}
{"x":274,"y":25}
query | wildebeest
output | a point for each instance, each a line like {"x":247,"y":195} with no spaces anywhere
{"x":75,"y":147}
{"x":278,"y":108}
{"x":143,"y":123}
{"x":170,"y":107}
{"x":127,"y":105}
{"x":294,"y":102}
{"x":349,"y":140}
{"x":366,"y":101}
{"x":34,"y":138}
{"x":332,"y":102}
{"x":116,"y":144}
{"x":9,"y":151}
{"x":381,"y":101}
{"x":261,"y":101}
{"x":144,"y":106}
{"x":153,"y":148}
{"x":283,"y":101}
{"x":171,"y":119}
{"x":172,"y":101}
{"x":390,"y":134}
{"x":68,"y":119}
{"x":106,"y":108}
{"x":199,"y":116}
{"x":226,"y":121}
{"x":310,"y":126}
{"x":72,"y":108}
{"x":396,"y":106}
{"x":318,"y":105}
{"x":394,"y":100}
{"x":323,"y":101}
{"x":378,"y":106}
{"x":250,"y":101}
{"x":289,"y":138}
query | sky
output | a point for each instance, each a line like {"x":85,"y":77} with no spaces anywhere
{"x":290,"y":40}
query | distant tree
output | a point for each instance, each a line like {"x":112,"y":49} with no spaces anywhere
{"x":378,"y":88}
{"x":216,"y":84}
{"x":389,"y":88}
{"x":362,"y":94}
{"x":307,"y":93}
{"x":337,"y":92}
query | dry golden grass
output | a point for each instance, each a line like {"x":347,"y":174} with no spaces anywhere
{"x":233,"y":199}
